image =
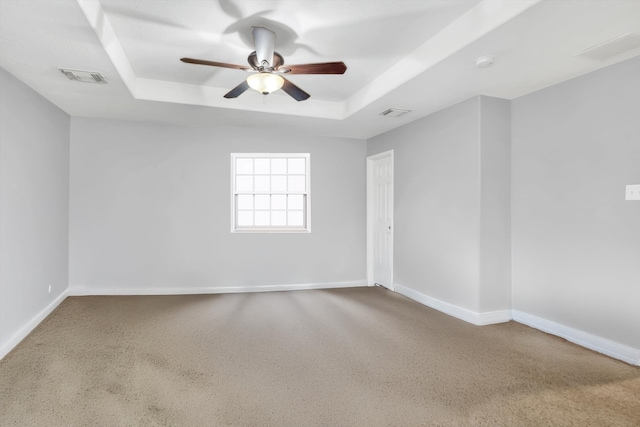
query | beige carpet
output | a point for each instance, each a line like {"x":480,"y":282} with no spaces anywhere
{"x":362,"y":356}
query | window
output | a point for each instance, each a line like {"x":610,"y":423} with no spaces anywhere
{"x":270,"y":192}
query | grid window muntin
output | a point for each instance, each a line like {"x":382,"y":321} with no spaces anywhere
{"x":270,"y":192}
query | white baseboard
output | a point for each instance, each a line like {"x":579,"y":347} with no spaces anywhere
{"x":85,"y":291}
{"x":473,"y":317}
{"x":601,"y":345}
{"x":30,"y":326}
{"x":584,"y":339}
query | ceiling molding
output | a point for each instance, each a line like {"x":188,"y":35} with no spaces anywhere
{"x":207,"y":96}
{"x":97,"y":19}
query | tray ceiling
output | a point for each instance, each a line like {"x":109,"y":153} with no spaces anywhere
{"x":414,"y":55}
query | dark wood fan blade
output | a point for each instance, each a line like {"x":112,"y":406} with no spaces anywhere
{"x":295,"y":92}
{"x":320,"y":68}
{"x":214,"y":64}
{"x":238,"y":90}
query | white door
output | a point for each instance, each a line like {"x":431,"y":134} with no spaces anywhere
{"x":380,"y":218}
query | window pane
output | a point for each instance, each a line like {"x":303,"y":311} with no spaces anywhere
{"x":270,"y":193}
{"x":263,"y":218}
{"x":295,"y":218}
{"x":278,"y":166}
{"x":244,"y":166}
{"x":263,"y":183}
{"x":245,"y":218}
{"x":296,"y":183}
{"x":297,"y":166}
{"x":278,"y":218}
{"x":245,"y":202}
{"x":296,"y":202}
{"x":244,"y":183}
{"x":262,"y":201}
{"x":262,"y":166}
{"x":278,"y":184}
{"x":279,"y":202}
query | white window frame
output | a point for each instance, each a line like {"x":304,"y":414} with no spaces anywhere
{"x":305,"y":228}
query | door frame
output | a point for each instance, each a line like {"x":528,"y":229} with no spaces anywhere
{"x":371,"y":214}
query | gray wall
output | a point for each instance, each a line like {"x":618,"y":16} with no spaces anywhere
{"x":150,"y":208}
{"x":452,"y":202}
{"x":34,"y":201}
{"x":576,"y":241}
{"x":495,"y":204}
{"x":437,"y":203}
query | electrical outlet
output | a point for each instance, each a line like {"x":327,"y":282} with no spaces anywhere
{"x":49,"y":288}
{"x":633,"y":192}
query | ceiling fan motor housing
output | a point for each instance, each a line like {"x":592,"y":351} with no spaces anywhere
{"x":278,"y":60}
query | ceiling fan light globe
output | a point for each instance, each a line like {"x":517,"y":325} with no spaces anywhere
{"x":265,"y":82}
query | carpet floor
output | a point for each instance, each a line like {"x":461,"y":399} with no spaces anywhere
{"x":344,"y":357}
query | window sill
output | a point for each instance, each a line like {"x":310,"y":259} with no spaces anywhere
{"x":271,"y":230}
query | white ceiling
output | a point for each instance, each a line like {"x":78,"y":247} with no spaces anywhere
{"x":412,"y":54}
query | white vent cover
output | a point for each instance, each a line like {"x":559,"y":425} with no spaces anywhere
{"x":84,"y":76}
{"x":612,"y":47}
{"x":394,"y":112}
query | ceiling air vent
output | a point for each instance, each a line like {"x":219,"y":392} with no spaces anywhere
{"x":394,"y":112}
{"x":84,"y":76}
{"x":613,"y":47}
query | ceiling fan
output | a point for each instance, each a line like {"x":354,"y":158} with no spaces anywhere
{"x":269,"y":66}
